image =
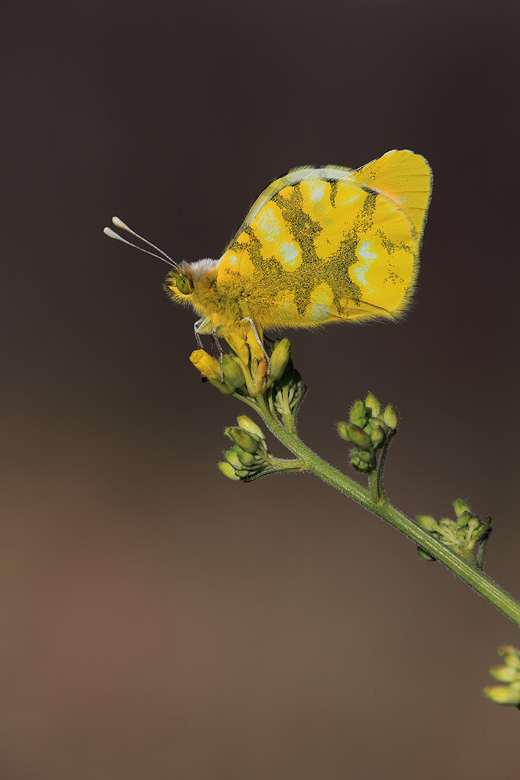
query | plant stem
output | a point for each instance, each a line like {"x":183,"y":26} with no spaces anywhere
{"x":381,"y":507}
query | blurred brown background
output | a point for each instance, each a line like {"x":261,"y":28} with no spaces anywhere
{"x":159,"y":621}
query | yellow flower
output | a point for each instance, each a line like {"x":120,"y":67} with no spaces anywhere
{"x":211,"y":369}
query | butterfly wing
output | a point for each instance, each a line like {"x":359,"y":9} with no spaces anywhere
{"x":403,"y":177}
{"x":330,"y":244}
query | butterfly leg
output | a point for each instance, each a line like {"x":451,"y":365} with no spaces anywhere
{"x":196,"y":330}
{"x":220,"y":351}
{"x":260,"y":343}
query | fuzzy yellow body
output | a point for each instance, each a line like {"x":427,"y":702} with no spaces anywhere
{"x":319,"y":245}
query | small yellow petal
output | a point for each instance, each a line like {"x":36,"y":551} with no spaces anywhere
{"x":239,"y":346}
{"x":206,"y":364}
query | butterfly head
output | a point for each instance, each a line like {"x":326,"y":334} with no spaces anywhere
{"x":179,"y":282}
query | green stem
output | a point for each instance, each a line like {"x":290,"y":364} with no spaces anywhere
{"x":373,"y":485}
{"x":381,"y":466}
{"x":381,"y":507}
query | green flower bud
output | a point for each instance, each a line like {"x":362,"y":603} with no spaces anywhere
{"x":473,"y":525}
{"x":362,"y":460}
{"x":505,"y":674}
{"x":373,"y":423}
{"x":378,"y":436}
{"x":358,"y":413}
{"x":248,"y":425}
{"x":280,"y":357}
{"x":341,"y":428}
{"x":228,"y":471}
{"x":245,"y":440}
{"x":510,"y":655}
{"x":427,"y":522}
{"x":245,"y":459}
{"x":373,"y":404}
{"x":232,"y":457}
{"x":358,"y":436}
{"x":504,"y":694}
{"x":391,"y":417}
{"x":460,"y":507}
{"x":464,"y":518}
{"x":365,"y":456}
{"x":233,"y":374}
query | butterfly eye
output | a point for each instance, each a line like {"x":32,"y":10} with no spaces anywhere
{"x":183,"y":285}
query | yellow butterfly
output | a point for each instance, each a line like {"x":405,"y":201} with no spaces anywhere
{"x":319,"y":245}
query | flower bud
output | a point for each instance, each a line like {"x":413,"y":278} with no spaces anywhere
{"x":460,"y":507}
{"x":427,"y":522}
{"x":248,"y":425}
{"x":510,"y":655}
{"x":228,"y":471}
{"x":245,"y":440}
{"x":245,"y":458}
{"x":391,"y":417}
{"x":508,"y":674}
{"x":232,"y":457}
{"x":464,"y":518}
{"x":504,"y":694}
{"x":473,"y":524}
{"x":232,"y":372}
{"x":373,"y":404}
{"x":358,"y":413}
{"x":378,"y":436}
{"x":358,"y":436}
{"x":280,"y":357}
{"x":361,"y":460}
{"x":504,"y":674}
{"x":373,"y":423}
{"x":365,"y":457}
{"x":206,"y":364}
{"x":211,"y":369}
{"x":341,"y":428}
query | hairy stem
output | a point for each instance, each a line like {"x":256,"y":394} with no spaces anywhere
{"x":376,"y":502}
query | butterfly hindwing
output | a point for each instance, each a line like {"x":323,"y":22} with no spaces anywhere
{"x":331,"y":244}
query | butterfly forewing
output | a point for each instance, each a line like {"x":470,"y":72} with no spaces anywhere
{"x":331,"y":244}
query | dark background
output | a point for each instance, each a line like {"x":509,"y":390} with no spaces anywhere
{"x":160,"y":621}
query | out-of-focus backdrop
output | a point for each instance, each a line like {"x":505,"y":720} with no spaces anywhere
{"x":158,"y":620}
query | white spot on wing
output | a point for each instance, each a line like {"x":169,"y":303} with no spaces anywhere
{"x":290,"y":254}
{"x":359,"y":270}
{"x":269,"y":225}
{"x":319,"y":312}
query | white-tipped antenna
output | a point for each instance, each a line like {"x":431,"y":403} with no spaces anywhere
{"x":120,"y":224}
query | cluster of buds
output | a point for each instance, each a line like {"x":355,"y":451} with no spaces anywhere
{"x":249,"y":458}
{"x":370,"y":429}
{"x":251,"y":370}
{"x":462,"y":534}
{"x":508,"y":673}
{"x":247,"y":369}
{"x":286,"y":395}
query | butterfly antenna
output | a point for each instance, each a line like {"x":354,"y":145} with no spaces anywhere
{"x":120,"y":224}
